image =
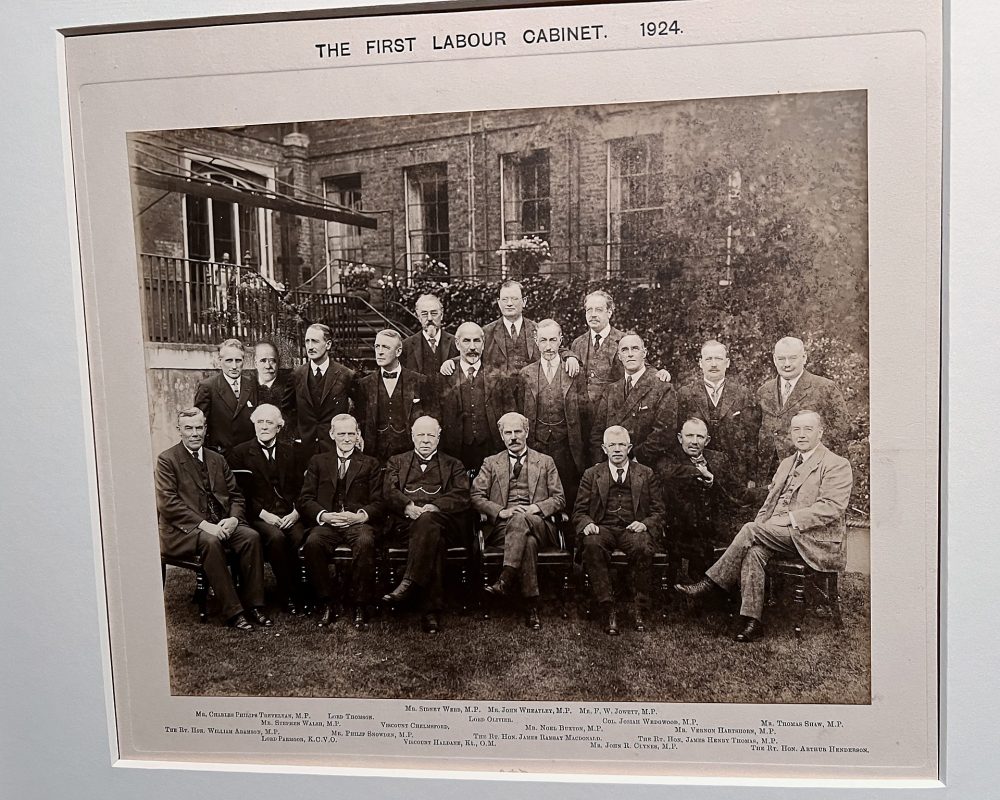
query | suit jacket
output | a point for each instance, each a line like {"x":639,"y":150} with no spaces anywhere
{"x":362,"y":487}
{"x":649,"y":415}
{"x":812,"y":392}
{"x":576,"y":405}
{"x":491,"y":486}
{"x":694,"y":512}
{"x":180,"y":497}
{"x":277,"y":394}
{"x":417,"y":397}
{"x":499,"y":400}
{"x":249,"y":465}
{"x":495,"y":344}
{"x":413,"y":353}
{"x":314,"y":420}
{"x":454,"y":496}
{"x":227,"y":417}
{"x":821,"y":489}
{"x":592,"y":497}
{"x":601,"y":368}
{"x":734,"y":424}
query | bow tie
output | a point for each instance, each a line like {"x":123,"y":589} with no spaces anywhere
{"x":390,"y":375}
{"x":699,"y":460}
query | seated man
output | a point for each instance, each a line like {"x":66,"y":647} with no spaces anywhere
{"x":516,"y":490}
{"x":342,"y":497}
{"x":619,"y":506}
{"x":200,"y":510}
{"x":269,"y":470}
{"x":428,"y":491}
{"x":803,"y":515}
{"x":698,"y":488}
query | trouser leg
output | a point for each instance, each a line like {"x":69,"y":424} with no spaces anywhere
{"x":361,"y":539}
{"x":213,"y":560}
{"x":638,"y":549}
{"x":597,"y":549}
{"x":280,"y":551}
{"x":317,"y":553}
{"x":726,"y":571}
{"x":426,"y":537}
{"x":766,"y":542}
{"x":245,"y":542}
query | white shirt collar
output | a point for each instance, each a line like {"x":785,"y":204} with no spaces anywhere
{"x":273,"y":442}
{"x":639,"y":374}
{"x":196,"y":453}
{"x":714,"y":384}
{"x":807,"y":455}
{"x":603,"y":334}
{"x":397,"y":369}
{"x":349,"y":456}
{"x":322,"y":367}
{"x":465,"y":366}
{"x":519,"y":322}
{"x":614,"y":470}
{"x":792,"y":381}
{"x":428,"y":337}
{"x":269,"y":384}
{"x":522,"y":457}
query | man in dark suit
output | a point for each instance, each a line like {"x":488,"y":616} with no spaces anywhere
{"x":428,"y":494}
{"x":730,"y":411}
{"x":803,"y":515}
{"x":517,"y":490}
{"x":557,"y":409}
{"x":791,"y":390}
{"x":319,"y":390}
{"x":641,"y":403}
{"x":427,"y":350}
{"x":390,"y":400}
{"x":341,"y":501}
{"x":619,"y":507}
{"x":200,"y":510}
{"x":269,"y":471}
{"x":472,"y":401}
{"x":226,"y":399}
{"x":698,"y":491}
{"x":509,"y":342}
{"x":272,"y":384}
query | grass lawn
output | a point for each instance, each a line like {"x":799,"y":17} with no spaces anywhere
{"x":686,"y":657}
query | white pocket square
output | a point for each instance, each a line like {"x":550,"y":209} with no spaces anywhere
{"x":644,"y":408}
{"x":416,"y":399}
{"x":737,"y":413}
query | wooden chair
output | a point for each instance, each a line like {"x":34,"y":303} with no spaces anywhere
{"x":619,"y":564}
{"x":558,"y":560}
{"x":802,"y":577}
{"x":343,"y":563}
{"x":201,"y":587}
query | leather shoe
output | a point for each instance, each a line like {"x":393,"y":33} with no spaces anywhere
{"x":240,"y":623}
{"x":406,"y":590}
{"x":259,"y":619}
{"x":360,"y":621}
{"x":640,"y":620}
{"x":431,"y":624}
{"x":701,"y":590}
{"x":611,"y":623}
{"x":292,"y":608}
{"x":498,"y":589}
{"x":532,"y":620}
{"x":328,"y":617}
{"x":752,"y":630}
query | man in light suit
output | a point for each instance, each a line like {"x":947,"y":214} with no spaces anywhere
{"x":804,"y":515}
{"x":428,"y":493}
{"x":619,"y":506}
{"x":641,"y":402}
{"x":428,"y":349}
{"x":517,"y":490}
{"x":557,"y":409}
{"x":318,"y":391}
{"x":728,"y":408}
{"x":390,"y":400}
{"x":791,"y":390}
{"x":269,"y":471}
{"x":200,"y":510}
{"x":226,"y":400}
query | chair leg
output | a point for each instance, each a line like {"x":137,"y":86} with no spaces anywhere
{"x":833,"y":588}
{"x":565,"y":592}
{"x":800,"y":605}
{"x":201,"y":595}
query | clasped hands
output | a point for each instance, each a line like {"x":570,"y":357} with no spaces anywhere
{"x":342,"y":519}
{"x":507,"y":513}
{"x":221,"y":529}
{"x":636,"y":527}
{"x":412,"y":510}
{"x":284,"y":522}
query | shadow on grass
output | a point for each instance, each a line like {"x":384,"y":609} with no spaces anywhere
{"x":686,"y":657}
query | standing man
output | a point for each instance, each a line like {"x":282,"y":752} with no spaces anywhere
{"x":597,"y":349}
{"x":342,"y":502}
{"x":427,"y":350}
{"x":509,"y":342}
{"x":517,"y":490}
{"x":698,"y":487}
{"x":269,"y":471}
{"x":226,"y":399}
{"x":200,"y":510}
{"x":272,"y":383}
{"x":729,"y":409}
{"x":803,"y":515}
{"x":319,"y":390}
{"x":641,"y":403}
{"x":619,"y":507}
{"x":472,"y":401}
{"x":428,"y":492}
{"x":791,"y":390}
{"x":390,"y":400}
{"x":557,"y":409}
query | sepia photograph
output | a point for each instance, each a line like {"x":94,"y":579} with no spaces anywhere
{"x":555,"y":404}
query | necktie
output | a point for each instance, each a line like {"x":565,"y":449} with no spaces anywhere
{"x":269,"y":452}
{"x":786,"y":389}
{"x":713,"y":393}
{"x":390,"y":376}
{"x":342,"y":470}
{"x":518,"y":463}
{"x":597,"y":341}
{"x":434,"y":345}
{"x":628,"y":385}
{"x":621,"y":476}
{"x":472,"y":374}
{"x":791,"y":473}
{"x":549,"y":371}
{"x":236,"y":387}
{"x":513,"y":331}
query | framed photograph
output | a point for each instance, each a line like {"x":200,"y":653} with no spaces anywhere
{"x":730,"y":570}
